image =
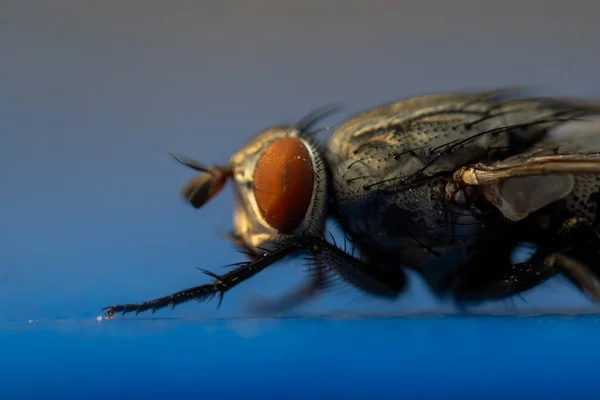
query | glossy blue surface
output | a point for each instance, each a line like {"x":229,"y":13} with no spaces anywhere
{"x":397,"y":357}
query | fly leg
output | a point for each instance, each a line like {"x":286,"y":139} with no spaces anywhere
{"x":299,"y":295}
{"x":240,"y":245}
{"x":322,"y":255}
{"x":580,"y":261}
{"x":579,"y":273}
{"x":491,"y":276}
{"x":294,"y":298}
{"x":365,"y":274}
{"x":220,"y":285}
{"x":502,"y":280}
{"x":328,"y":261}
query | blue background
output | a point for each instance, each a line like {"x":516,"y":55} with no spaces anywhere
{"x":93,"y":96}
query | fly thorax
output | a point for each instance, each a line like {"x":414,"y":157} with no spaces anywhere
{"x":375,"y":169}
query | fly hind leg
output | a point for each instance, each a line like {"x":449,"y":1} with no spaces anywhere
{"x":580,"y":259}
{"x":573,"y":252}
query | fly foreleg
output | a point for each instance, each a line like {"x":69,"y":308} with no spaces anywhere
{"x":326,"y":260}
{"x":323,"y":256}
{"x":219,"y":286}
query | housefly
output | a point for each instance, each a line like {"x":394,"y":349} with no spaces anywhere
{"x":445,"y":184}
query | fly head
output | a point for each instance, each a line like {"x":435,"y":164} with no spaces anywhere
{"x":279,"y":183}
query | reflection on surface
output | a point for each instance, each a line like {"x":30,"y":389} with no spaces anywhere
{"x":365,"y":357}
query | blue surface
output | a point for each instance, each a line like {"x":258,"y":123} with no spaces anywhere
{"x":417,"y":357}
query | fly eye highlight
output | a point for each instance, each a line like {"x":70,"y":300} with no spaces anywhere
{"x":283,"y":183}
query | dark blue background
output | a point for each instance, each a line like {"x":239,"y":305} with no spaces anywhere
{"x":417,"y":358}
{"x":93,"y":96}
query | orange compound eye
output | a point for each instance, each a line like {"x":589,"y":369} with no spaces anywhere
{"x":283,"y":183}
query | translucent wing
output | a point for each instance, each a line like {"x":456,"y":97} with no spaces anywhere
{"x":529,"y":181}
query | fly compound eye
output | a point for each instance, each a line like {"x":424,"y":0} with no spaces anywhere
{"x":283,"y":183}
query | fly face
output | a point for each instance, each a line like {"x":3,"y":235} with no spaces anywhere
{"x":279,"y":185}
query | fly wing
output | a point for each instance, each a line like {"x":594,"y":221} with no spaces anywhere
{"x":577,"y":136}
{"x":529,"y":181}
{"x":516,"y":198}
{"x":431,"y":135}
